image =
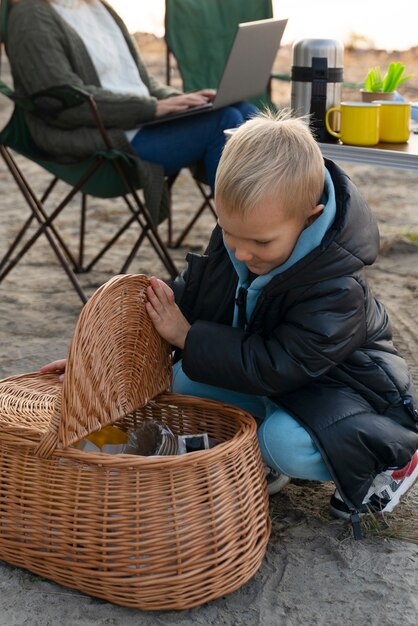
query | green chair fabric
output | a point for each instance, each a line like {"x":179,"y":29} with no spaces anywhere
{"x":200,"y":33}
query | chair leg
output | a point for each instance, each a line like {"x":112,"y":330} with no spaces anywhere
{"x":170,"y":182}
{"x":26,"y":225}
{"x":113,"y":240}
{"x":48,"y":190}
{"x":82,"y":234}
{"x":207,"y":203}
{"x":45,"y":228}
{"x":149,"y":231}
{"x":141,"y":214}
{"x":132,"y":253}
{"x":37,"y":207}
{"x":9,"y":254}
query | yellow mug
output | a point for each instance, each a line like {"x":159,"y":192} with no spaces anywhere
{"x":359,"y":123}
{"x":394,"y":121}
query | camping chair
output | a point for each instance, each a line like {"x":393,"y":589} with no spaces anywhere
{"x":199,"y":35}
{"x":107,"y":174}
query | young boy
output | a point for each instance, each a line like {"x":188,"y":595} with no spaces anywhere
{"x":277,"y":317}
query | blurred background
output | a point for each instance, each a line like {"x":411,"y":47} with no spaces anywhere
{"x":371,"y":23}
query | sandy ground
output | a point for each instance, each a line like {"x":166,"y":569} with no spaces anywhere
{"x":314,"y":573}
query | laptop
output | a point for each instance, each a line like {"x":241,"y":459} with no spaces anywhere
{"x":247,"y":70}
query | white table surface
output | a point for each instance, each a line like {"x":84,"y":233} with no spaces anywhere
{"x":400,"y":155}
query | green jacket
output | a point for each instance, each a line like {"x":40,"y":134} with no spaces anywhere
{"x":44,"y":51}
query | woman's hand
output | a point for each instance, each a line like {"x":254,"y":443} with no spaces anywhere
{"x":56,"y":367}
{"x":207,"y":93}
{"x":166,"y":316}
{"x":177,"y":104}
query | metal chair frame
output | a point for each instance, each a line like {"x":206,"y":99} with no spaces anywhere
{"x":137,"y":208}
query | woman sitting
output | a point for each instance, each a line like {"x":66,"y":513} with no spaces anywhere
{"x":85,"y":43}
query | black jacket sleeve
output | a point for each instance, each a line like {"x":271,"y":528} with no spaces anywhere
{"x":317,"y":332}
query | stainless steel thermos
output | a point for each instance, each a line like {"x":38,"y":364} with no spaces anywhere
{"x":317,"y":75}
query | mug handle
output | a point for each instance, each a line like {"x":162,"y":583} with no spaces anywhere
{"x":328,"y":127}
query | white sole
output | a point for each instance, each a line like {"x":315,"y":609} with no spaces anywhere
{"x":277,"y":485}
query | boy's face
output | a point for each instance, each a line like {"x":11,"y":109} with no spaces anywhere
{"x":265,"y":237}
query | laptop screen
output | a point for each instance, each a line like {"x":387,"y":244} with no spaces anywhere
{"x":247,"y":70}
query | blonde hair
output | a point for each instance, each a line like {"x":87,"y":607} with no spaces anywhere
{"x":271,"y":155}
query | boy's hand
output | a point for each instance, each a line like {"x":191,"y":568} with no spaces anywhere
{"x":54,"y":368}
{"x":166,"y":316}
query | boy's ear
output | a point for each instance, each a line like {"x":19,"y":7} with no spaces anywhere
{"x":317,"y":210}
{"x":314,"y":213}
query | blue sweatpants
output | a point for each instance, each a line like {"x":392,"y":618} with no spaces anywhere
{"x":285,"y":445}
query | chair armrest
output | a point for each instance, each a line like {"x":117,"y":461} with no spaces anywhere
{"x":277,"y":76}
{"x":23,"y":102}
{"x":48,"y":101}
{"x":64,"y":96}
{"x":69,"y":96}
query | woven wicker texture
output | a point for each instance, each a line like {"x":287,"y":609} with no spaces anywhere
{"x":165,"y":532}
{"x":116,"y":363}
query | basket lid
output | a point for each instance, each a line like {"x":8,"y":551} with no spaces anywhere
{"x":116,"y":362}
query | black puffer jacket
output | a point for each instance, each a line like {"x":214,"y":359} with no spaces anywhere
{"x":318,"y":343}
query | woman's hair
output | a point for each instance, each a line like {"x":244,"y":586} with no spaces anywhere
{"x":271,"y":155}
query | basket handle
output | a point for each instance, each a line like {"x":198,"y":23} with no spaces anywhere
{"x":116,"y":363}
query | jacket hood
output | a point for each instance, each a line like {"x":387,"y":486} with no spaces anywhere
{"x":355,"y":228}
{"x":350,"y":243}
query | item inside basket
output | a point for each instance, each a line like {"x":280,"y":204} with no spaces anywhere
{"x":109,"y":439}
{"x":150,"y":438}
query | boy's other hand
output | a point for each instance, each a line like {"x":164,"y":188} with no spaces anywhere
{"x":56,"y":367}
{"x":166,"y":316}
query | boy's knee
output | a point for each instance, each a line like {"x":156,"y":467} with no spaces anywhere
{"x":276,"y":453}
{"x":287,"y":447}
{"x":273,"y":444}
{"x":284,"y":443}
{"x":288,"y":465}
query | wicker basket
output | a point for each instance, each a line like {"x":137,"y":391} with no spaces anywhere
{"x":164,"y":532}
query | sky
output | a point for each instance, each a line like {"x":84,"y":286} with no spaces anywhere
{"x":389,"y":24}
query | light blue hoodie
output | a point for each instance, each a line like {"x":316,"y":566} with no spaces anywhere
{"x":309,"y":239}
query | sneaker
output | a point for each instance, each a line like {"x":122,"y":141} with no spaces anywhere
{"x":275,"y":480}
{"x":384,"y":493}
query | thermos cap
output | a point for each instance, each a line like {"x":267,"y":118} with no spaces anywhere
{"x":305,"y":49}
